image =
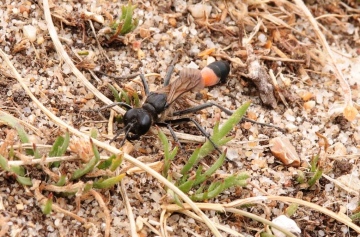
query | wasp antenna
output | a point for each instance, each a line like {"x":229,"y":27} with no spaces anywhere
{"x":127,"y":130}
{"x":170,"y":70}
{"x":145,"y":84}
{"x":123,"y":141}
{"x":114,"y":104}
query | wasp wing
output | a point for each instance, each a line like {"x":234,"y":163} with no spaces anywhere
{"x":190,"y":79}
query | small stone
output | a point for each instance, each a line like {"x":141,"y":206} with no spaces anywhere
{"x":172,"y":22}
{"x":30,"y":32}
{"x":307,"y":96}
{"x":139,"y":223}
{"x":283,"y":150}
{"x":20,"y":206}
{"x":309,"y":105}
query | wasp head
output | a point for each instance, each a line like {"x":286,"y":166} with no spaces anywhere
{"x":137,"y":122}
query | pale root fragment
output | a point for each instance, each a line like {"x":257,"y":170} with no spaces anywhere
{"x":200,"y":10}
{"x":286,"y":223}
{"x":92,"y":16}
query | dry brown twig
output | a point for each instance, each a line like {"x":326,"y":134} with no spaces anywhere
{"x":150,"y":224}
{"x":233,"y":207}
{"x":70,"y":188}
{"x":42,"y":199}
{"x":163,"y":217}
{"x":258,"y":74}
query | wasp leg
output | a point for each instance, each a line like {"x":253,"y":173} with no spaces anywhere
{"x":201,"y":129}
{"x":201,"y":107}
{"x":168,"y":123}
{"x":170,"y":70}
{"x":162,"y":124}
{"x":131,"y":76}
{"x":228,"y":112}
{"x":114,"y":104}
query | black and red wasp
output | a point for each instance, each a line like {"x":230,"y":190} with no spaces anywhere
{"x":137,"y":121}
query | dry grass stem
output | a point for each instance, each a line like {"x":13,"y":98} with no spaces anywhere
{"x":339,"y":75}
{"x":69,"y":62}
{"x":128,"y":208}
{"x":106,"y":211}
{"x":42,"y":199}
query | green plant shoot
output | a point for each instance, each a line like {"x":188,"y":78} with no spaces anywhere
{"x":89,"y":166}
{"x":219,"y":134}
{"x":168,"y":155}
{"x":125,"y":23}
{"x":108,"y":183}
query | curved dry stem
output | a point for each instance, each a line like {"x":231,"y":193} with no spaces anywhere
{"x":102,"y":204}
{"x":344,"y":85}
{"x":163,"y":218}
{"x":260,"y":219}
{"x":319,"y":209}
{"x":235,"y":204}
{"x":60,"y":50}
{"x":129,"y":212}
{"x":70,"y":188}
{"x":243,"y":213}
{"x":150,"y":224}
{"x":219,"y":226}
{"x":32,"y":161}
{"x":183,"y":137}
{"x":42,"y":199}
{"x":342,"y":186}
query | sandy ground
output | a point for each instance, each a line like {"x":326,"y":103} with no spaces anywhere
{"x":294,"y":79}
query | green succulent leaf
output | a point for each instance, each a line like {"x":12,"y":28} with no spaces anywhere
{"x":60,"y":145}
{"x":89,"y":166}
{"x":47,"y":208}
{"x":108,"y":183}
{"x":62,"y":181}
{"x":24,"y":180}
{"x":115,"y":163}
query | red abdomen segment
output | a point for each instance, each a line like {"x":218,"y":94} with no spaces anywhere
{"x":215,"y":72}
